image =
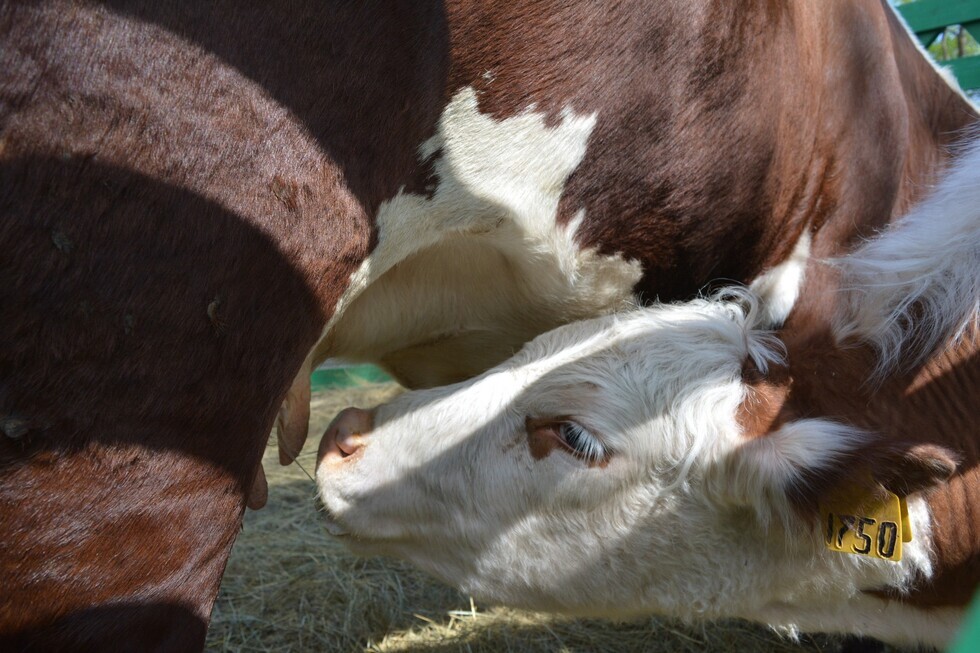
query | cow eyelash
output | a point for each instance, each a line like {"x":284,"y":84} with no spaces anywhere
{"x":581,"y":442}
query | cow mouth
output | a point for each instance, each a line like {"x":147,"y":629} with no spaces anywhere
{"x":333,"y":525}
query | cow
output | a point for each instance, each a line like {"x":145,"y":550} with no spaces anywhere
{"x":200,"y":202}
{"x":683,"y":459}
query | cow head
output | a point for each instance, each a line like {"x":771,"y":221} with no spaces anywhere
{"x":605,"y":469}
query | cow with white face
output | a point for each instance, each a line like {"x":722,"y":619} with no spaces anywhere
{"x":681,"y":460}
{"x":555,"y":479}
{"x":603,"y":471}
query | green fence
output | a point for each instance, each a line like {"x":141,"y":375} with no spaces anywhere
{"x":930,"y":18}
{"x":346,"y":376}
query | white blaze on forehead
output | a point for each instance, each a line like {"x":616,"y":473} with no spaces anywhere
{"x":494,"y":209}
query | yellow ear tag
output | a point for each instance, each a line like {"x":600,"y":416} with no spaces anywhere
{"x":872,"y":525}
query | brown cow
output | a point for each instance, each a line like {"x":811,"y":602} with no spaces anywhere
{"x":194,"y":195}
{"x":684,"y":460}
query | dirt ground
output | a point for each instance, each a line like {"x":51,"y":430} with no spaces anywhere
{"x":290,"y":587}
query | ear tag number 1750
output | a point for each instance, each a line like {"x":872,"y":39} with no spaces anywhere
{"x":873,"y":526}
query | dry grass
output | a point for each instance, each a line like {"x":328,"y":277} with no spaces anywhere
{"x":290,"y":587}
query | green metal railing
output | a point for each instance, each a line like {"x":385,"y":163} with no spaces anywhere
{"x":930,"y":18}
{"x":347,"y":376}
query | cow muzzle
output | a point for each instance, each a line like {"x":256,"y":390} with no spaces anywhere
{"x":345,"y":438}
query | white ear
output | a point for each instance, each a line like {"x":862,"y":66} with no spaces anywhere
{"x":763,"y":472}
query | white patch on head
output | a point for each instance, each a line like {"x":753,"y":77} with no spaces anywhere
{"x":482,"y":264}
{"x":779,"y":287}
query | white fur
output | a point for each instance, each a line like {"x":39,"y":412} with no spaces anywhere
{"x":927,"y":262}
{"x":888,"y":621}
{"x":490,"y":234}
{"x":780,"y":286}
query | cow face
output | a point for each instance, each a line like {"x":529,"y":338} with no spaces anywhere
{"x":602,"y":470}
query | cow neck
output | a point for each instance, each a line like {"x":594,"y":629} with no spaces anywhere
{"x":931,"y":404}
{"x":873,"y":156}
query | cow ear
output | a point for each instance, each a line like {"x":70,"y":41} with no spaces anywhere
{"x":905,"y":471}
{"x":763,"y":471}
{"x":790,"y":469}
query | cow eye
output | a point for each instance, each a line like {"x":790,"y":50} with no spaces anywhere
{"x":581,"y":442}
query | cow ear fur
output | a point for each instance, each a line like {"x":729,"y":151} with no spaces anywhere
{"x":790,"y":469}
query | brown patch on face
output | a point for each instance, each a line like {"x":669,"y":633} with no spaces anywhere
{"x":540,"y":443}
{"x":761,"y":411}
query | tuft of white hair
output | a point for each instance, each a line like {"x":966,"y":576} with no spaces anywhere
{"x":916,"y":286}
{"x":753,"y":315}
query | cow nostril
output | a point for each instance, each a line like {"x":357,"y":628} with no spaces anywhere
{"x":346,"y":434}
{"x":348,"y":443}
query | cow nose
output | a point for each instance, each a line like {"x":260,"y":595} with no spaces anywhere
{"x":345,"y":436}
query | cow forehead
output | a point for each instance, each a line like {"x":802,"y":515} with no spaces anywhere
{"x":648,"y":337}
{"x":618,"y":374}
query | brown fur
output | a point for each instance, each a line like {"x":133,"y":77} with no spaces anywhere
{"x":147,"y":170}
{"x":186,"y":187}
{"x":712,"y":153}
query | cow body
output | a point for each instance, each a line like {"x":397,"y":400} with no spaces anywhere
{"x":676,"y":459}
{"x":580,"y":175}
{"x":200,"y":202}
